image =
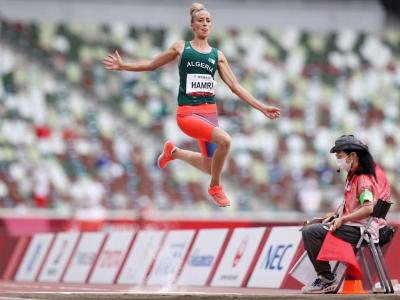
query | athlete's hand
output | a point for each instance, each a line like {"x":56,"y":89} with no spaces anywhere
{"x":113,"y":61}
{"x":271,"y":112}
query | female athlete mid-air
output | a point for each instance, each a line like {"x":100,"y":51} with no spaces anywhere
{"x":197,"y":112}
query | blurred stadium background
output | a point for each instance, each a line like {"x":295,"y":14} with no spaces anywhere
{"x":77,"y":140}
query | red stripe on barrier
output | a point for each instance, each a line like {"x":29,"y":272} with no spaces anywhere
{"x":128,"y":250}
{"x":45,"y":258}
{"x":146,"y":278}
{"x":16,"y":258}
{"x":256,"y":256}
{"x":96,"y":258}
{"x":186,"y":256}
{"x":219,"y":256}
{"x":71,"y":257}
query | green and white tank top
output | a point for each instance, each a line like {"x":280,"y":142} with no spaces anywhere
{"x":196,"y":73}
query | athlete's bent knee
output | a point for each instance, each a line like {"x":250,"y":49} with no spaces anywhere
{"x":222,"y":139}
{"x":225,"y":142}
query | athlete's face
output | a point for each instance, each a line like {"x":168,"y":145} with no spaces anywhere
{"x":201,"y":24}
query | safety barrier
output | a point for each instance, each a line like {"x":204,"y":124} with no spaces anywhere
{"x":256,"y":257}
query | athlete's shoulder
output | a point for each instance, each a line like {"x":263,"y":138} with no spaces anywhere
{"x":178,"y":46}
{"x":221,"y":56}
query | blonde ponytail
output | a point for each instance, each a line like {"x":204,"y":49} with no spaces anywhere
{"x":195,"y":8}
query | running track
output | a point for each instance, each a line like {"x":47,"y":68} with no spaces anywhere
{"x":17,"y":291}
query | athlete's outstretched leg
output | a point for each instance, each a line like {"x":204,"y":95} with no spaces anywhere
{"x":196,"y":159}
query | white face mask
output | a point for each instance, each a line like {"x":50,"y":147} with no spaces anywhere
{"x":343,"y":165}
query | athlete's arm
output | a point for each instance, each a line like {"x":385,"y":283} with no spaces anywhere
{"x":114,"y":61}
{"x":229,"y":78}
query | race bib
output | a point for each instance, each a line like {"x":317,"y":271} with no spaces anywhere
{"x":200,"y":85}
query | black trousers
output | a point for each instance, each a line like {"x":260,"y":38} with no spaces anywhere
{"x":313,"y":237}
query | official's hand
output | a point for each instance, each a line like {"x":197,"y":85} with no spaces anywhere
{"x":113,"y":61}
{"x":271,"y":112}
{"x":337,"y":223}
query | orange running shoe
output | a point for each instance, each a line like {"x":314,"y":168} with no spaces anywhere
{"x":166,"y":156}
{"x":218,"y":196}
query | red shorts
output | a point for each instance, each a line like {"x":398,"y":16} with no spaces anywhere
{"x":198,"y":122}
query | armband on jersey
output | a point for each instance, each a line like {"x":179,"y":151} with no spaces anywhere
{"x":366,"y":196}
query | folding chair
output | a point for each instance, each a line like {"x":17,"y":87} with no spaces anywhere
{"x":380,"y":210}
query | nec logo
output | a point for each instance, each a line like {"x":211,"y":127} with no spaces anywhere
{"x":274,"y":256}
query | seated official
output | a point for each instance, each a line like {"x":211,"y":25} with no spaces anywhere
{"x":365,"y":184}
